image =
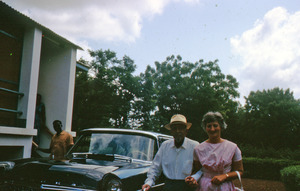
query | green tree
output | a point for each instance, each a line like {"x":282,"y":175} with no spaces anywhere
{"x":145,"y":103}
{"x":80,"y":98}
{"x":188,"y":88}
{"x":271,"y":118}
{"x":105,"y":98}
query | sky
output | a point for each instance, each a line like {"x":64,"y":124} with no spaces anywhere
{"x":258,"y":42}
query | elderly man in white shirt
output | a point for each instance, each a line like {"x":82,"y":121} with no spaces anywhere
{"x":174,"y":158}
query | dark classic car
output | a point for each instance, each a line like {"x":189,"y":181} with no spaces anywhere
{"x":101,"y":159}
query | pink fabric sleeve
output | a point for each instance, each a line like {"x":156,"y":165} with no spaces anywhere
{"x":237,"y":155}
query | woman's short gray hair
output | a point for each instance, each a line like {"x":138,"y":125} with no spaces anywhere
{"x":213,"y":117}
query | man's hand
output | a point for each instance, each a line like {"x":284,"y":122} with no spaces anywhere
{"x":146,"y":187}
{"x":191,"y":181}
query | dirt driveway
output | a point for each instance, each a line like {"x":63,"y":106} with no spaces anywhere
{"x":260,"y":185}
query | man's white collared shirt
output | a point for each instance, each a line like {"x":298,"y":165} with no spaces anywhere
{"x":175,"y":163}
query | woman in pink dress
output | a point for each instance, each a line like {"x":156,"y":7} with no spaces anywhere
{"x":217,"y":158}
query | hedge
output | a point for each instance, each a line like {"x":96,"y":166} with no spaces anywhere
{"x":291,"y":177}
{"x":269,"y":152}
{"x":267,"y":168}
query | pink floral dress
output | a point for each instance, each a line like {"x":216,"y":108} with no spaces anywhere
{"x":215,"y":159}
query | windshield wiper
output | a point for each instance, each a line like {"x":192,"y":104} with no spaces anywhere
{"x":109,"y":157}
{"x":122,"y":157}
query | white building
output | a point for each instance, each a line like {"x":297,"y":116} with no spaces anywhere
{"x":33,"y":59}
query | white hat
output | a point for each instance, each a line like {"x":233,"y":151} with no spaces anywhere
{"x":178,"y":119}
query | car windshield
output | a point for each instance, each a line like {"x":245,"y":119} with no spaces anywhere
{"x":131,"y":145}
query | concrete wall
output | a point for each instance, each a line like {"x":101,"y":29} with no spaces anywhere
{"x":47,"y":68}
{"x":15,"y":146}
{"x":56,"y":85}
{"x":22,"y":137}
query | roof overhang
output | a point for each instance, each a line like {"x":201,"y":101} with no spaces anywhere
{"x":18,"y":18}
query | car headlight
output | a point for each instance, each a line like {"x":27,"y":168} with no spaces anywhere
{"x":6,"y":165}
{"x":113,"y":185}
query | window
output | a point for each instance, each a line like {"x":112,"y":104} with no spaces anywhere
{"x":10,"y":61}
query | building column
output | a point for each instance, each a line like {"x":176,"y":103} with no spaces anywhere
{"x":29,"y":76}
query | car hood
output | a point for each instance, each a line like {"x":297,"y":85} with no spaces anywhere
{"x":92,"y":171}
{"x":95,"y":169}
{"x":83,"y":173}
{"x":90,"y":168}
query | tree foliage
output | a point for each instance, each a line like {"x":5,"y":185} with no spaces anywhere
{"x":271,"y":118}
{"x":104,"y":99}
{"x":111,"y":96}
{"x":192,"y":89}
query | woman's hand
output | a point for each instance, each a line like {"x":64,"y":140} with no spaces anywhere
{"x":191,"y":181}
{"x":218,"y":179}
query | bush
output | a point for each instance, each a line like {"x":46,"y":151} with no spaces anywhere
{"x":269,"y":152}
{"x":291,"y":177}
{"x":267,"y":168}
